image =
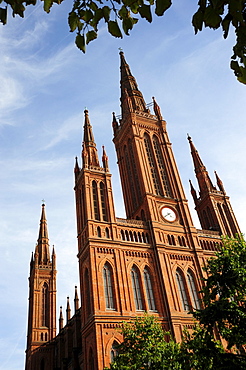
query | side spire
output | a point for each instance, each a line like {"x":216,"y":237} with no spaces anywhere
{"x":89,"y":146}
{"x":131,"y":97}
{"x":105,"y":159}
{"x":204,"y":182}
{"x":76,"y":300}
{"x":219,"y":183}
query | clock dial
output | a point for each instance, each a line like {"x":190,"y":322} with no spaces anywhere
{"x":168,"y":214}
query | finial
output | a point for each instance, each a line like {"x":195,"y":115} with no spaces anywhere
{"x":188,"y":137}
{"x":121,"y":50}
{"x":43,"y":202}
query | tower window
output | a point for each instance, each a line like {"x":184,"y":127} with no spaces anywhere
{"x":108,"y":286}
{"x":95,"y":200}
{"x":107,"y":233}
{"x":99,"y":234}
{"x":45,"y":305}
{"x":136,"y":288}
{"x":162,"y":167}
{"x":103,"y":204}
{"x":193,"y":290}
{"x":181,"y":289}
{"x":152,"y":164}
{"x":149,"y":290}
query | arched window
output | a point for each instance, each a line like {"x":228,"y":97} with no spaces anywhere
{"x":107,"y":233}
{"x":193,"y":290}
{"x":152,"y":165}
{"x":131,"y":236}
{"x":149,"y":290}
{"x":87,"y":292}
{"x":135,"y":236}
{"x":162,"y":167}
{"x":136,"y":288}
{"x":108,"y":286}
{"x":99,"y":234}
{"x":91,"y":360}
{"x":127,"y":235}
{"x":139,"y":237}
{"x":103,"y":203}
{"x":181,"y":289}
{"x":95,"y":200}
{"x":45,"y":305}
{"x":114,"y":351}
{"x":122,"y":234}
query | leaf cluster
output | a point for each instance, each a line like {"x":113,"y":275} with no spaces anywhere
{"x":226,"y":14}
{"x":224,"y":293}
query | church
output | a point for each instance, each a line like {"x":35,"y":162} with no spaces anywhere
{"x":151,"y":261}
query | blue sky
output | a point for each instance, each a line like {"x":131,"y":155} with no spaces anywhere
{"x":45,"y":84}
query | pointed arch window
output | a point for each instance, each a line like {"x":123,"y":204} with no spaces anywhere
{"x":136,"y":288}
{"x":108,"y":286}
{"x":95,"y":200}
{"x":193,"y":291}
{"x":162,"y":167}
{"x":103,"y":203}
{"x":45,"y":305}
{"x":114,"y":351}
{"x":152,"y":165}
{"x":182,"y":290}
{"x":149,"y":290}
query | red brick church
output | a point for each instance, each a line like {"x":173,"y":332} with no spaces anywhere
{"x":151,"y":261}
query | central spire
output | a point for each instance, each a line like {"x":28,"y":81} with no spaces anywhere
{"x":131,"y":97}
{"x":89,"y":152}
{"x":42,"y":248}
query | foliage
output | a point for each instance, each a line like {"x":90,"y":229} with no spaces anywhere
{"x":224,"y":293}
{"x":144,"y":347}
{"x":121,"y":15}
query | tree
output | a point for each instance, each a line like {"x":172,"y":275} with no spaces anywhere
{"x":224,"y":312}
{"x":144,"y":347}
{"x":121,"y":15}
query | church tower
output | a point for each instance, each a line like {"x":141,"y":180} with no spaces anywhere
{"x":212,"y":205}
{"x":42,"y":293}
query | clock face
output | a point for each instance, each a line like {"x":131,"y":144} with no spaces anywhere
{"x":168,"y":214}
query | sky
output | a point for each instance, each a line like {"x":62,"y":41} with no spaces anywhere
{"x":45,"y":85}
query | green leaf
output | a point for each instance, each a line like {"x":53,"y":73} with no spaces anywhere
{"x":162,"y":6}
{"x":3,"y":15}
{"x":128,"y":24}
{"x":93,"y":6}
{"x":80,"y":42}
{"x":123,"y":12}
{"x":97,"y":17}
{"x":106,"y":13}
{"x":197,"y":21}
{"x":47,"y":5}
{"x":113,"y":29}
{"x":145,"y":12}
{"x":73,"y":20}
{"x":88,"y":15}
{"x":91,"y":35}
{"x":211,"y":18}
{"x":225,"y":25}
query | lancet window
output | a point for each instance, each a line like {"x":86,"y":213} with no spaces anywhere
{"x":149,"y":290}
{"x":182,"y":290}
{"x":108,"y":286}
{"x":95,"y":200}
{"x":103,"y":203}
{"x":162,"y":167}
{"x":193,"y":290}
{"x":152,"y":165}
{"x":45,"y":305}
{"x":136,"y":288}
